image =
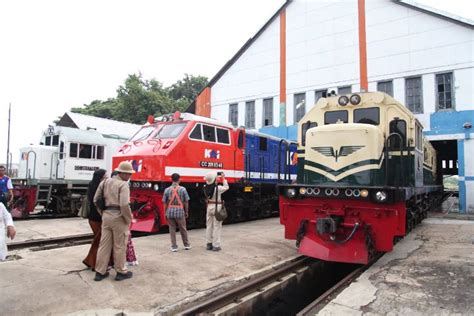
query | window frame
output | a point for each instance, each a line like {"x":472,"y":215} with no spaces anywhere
{"x":453,"y":103}
{"x":270,"y":112}
{"x":217,"y":136}
{"x":365,"y":109}
{"x":344,"y":87}
{"x":346,"y":111}
{"x":250,"y":116}
{"x":408,"y":79}
{"x":324,"y":94}
{"x":234,"y":113}
{"x":302,"y":109}
{"x":385,"y":82}
{"x":192,"y":130}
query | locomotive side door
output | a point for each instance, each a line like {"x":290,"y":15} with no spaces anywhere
{"x":239,"y":153}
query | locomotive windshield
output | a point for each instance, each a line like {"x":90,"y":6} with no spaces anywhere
{"x":143,"y":133}
{"x":170,"y":130}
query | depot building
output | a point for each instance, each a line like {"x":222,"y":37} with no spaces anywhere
{"x":421,"y":56}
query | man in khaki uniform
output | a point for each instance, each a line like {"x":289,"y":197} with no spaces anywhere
{"x":116,"y":219}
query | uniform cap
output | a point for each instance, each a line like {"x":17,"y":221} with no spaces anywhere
{"x":125,"y":167}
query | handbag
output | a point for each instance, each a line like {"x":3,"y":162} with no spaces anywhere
{"x":220,"y":214}
{"x":85,"y":210}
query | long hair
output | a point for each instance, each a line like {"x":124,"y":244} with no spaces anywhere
{"x":209,"y":190}
{"x":96,"y":178}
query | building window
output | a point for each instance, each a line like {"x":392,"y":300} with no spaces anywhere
{"x":268,"y":112}
{"x":234,"y":114}
{"x":250,"y":114}
{"x":444,"y":91}
{"x":344,"y":90}
{"x":318,"y":94}
{"x":414,"y":96}
{"x":299,"y":108}
{"x":385,"y":86}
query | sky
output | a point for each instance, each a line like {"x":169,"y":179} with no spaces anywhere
{"x":56,"y":54}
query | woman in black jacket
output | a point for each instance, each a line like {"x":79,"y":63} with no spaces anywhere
{"x":95,"y":219}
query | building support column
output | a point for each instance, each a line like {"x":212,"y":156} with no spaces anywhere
{"x":364,"y":83}
{"x":461,"y":177}
{"x":283,"y":68}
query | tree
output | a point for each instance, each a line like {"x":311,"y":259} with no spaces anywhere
{"x":137,"y":98}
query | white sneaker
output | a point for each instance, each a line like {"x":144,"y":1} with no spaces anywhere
{"x":173,"y":249}
{"x":187,"y":247}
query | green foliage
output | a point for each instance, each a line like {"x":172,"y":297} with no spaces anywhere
{"x":138,"y":97}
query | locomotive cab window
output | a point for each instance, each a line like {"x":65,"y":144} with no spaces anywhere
{"x":100,"y":152}
{"x":143,"y":133}
{"x":399,"y":127}
{"x":73,"y":150}
{"x":209,"y":133}
{"x":170,"y":130}
{"x":223,"y":136}
{"x":47,"y":141}
{"x":418,"y":137}
{"x":85,"y":151}
{"x":240,"y":140}
{"x":55,"y":140}
{"x":304,"y":128}
{"x":367,"y":116}
{"x":333,"y":117}
{"x":196,"y":133}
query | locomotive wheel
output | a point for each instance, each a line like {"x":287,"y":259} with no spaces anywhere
{"x":56,"y":205}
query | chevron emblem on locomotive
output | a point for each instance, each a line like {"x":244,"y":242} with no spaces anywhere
{"x":343,"y":151}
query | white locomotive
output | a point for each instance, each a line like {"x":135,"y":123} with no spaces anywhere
{"x":55,"y":173}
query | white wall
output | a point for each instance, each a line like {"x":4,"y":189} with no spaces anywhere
{"x":322,"y":53}
{"x":256,"y":74}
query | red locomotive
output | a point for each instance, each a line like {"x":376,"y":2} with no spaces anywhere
{"x":192,"y":146}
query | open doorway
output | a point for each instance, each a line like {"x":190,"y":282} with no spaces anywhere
{"x":447,"y":158}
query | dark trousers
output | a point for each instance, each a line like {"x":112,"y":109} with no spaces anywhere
{"x":181,"y":224}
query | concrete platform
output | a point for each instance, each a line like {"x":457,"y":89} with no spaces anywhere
{"x":55,"y":282}
{"x":430,"y":272}
{"x":49,"y":228}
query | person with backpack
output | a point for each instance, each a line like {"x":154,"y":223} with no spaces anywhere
{"x":176,"y":205}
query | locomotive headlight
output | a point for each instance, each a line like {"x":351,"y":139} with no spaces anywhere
{"x":149,"y":185}
{"x":355,"y":99}
{"x":156,"y":187}
{"x":303,"y":191}
{"x":364,"y":193}
{"x":381,"y":196}
{"x":291,"y":193}
{"x":343,"y":100}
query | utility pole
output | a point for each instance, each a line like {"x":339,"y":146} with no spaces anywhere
{"x":8,"y":139}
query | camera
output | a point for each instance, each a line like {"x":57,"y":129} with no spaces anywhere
{"x":219,"y":173}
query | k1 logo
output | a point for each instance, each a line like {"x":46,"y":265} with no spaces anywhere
{"x":212,"y":153}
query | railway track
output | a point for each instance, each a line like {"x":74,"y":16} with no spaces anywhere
{"x":236,"y":300}
{"x":49,"y":243}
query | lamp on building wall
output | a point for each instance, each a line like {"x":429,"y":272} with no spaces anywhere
{"x":467,"y":125}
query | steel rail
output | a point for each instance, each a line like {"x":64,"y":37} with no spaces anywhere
{"x":233,"y":294}
{"x":338,"y":286}
{"x":83,"y":238}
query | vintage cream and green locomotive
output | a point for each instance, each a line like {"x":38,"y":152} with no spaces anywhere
{"x":366,"y":176}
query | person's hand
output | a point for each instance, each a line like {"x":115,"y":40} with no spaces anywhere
{"x":186,"y":214}
{"x":11,"y":232}
{"x":222,"y":176}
